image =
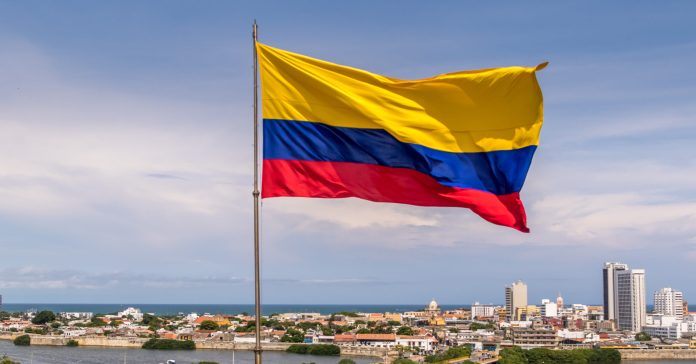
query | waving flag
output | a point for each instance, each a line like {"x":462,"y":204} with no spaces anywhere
{"x":462,"y":139}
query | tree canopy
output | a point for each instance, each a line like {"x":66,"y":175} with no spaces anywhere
{"x":43,"y":317}
{"x":209,"y":325}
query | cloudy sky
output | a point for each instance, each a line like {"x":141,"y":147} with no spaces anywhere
{"x":126,"y":146}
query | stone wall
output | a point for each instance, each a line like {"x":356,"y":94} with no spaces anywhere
{"x":122,"y":342}
{"x":648,"y":354}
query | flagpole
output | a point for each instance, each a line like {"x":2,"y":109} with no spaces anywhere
{"x":255,"y":193}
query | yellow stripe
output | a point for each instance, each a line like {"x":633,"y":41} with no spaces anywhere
{"x":469,"y":111}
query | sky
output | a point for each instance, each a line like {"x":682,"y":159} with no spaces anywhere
{"x":126,"y":153}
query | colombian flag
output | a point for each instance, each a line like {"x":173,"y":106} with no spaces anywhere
{"x":462,"y":139}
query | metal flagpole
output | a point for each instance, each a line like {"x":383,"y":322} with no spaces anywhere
{"x":255,"y":193}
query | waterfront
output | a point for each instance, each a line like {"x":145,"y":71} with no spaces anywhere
{"x":224,"y":309}
{"x":96,"y":355}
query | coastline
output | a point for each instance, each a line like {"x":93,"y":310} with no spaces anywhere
{"x":137,"y":343}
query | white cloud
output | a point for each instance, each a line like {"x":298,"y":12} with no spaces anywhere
{"x":351,"y":213}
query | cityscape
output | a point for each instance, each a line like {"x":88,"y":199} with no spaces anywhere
{"x":484,"y":330}
{"x":347,"y":182}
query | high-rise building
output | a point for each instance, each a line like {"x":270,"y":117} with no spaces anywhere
{"x":515,"y":299}
{"x":609,"y":277}
{"x":669,"y":302}
{"x":630,"y":299}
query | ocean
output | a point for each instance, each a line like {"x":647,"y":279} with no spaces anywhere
{"x":172,"y":309}
{"x":232,"y":309}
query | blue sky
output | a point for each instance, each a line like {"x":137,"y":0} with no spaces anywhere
{"x":125,"y":153}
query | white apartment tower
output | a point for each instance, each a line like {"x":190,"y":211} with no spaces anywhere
{"x":669,"y":302}
{"x":630,"y":299}
{"x":515,"y":297}
{"x":609,"y":275}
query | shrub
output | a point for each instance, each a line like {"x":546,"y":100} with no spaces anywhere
{"x":169,"y":344}
{"x":297,"y":349}
{"x":72,"y":343}
{"x":346,"y":361}
{"x":451,"y":353}
{"x":6,"y":360}
{"x":317,"y":349}
{"x":324,"y":349}
{"x":208,"y":362}
{"x":22,"y":340}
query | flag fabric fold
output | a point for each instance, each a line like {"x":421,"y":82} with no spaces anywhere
{"x":462,"y":139}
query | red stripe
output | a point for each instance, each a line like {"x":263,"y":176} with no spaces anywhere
{"x":385,"y":184}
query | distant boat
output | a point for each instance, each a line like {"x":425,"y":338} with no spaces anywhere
{"x":171,"y":361}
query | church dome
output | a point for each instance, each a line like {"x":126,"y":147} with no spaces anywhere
{"x":433,"y":306}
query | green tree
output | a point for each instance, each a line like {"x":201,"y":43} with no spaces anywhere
{"x":642,"y":336}
{"x":363,"y":331}
{"x":479,"y":326}
{"x":451,"y":353}
{"x":513,"y":355}
{"x":151,"y":320}
{"x":209,"y":325}
{"x":292,"y":336}
{"x":404,"y":361}
{"x":96,"y":322}
{"x":43,"y":317}
{"x":72,"y":343}
{"x":6,"y":360}
{"x":22,"y":340}
{"x":404,"y":330}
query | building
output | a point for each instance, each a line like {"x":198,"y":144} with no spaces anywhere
{"x":630,"y":299}
{"x":665,"y":326}
{"x":132,"y":312}
{"x":669,"y":302}
{"x":479,"y":310}
{"x":515,"y":299}
{"x":548,"y":308}
{"x":376,"y":340}
{"x":420,"y":343}
{"x":76,"y":315}
{"x":528,"y":338}
{"x":432,"y":309}
{"x":609,"y":278}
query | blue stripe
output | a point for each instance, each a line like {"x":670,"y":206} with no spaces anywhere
{"x":499,"y":172}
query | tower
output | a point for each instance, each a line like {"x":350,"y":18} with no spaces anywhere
{"x":515,"y":298}
{"x":609,"y":280}
{"x":630,"y":294}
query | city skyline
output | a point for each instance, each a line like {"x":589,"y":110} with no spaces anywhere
{"x":125,"y":146}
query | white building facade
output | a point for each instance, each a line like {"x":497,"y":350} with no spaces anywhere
{"x":479,"y":310}
{"x":548,"y":308}
{"x":630,"y":299}
{"x":669,"y":302}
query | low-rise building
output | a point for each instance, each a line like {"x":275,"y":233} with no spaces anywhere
{"x":376,"y":340}
{"x":527,"y":338}
{"x":422,"y":343}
